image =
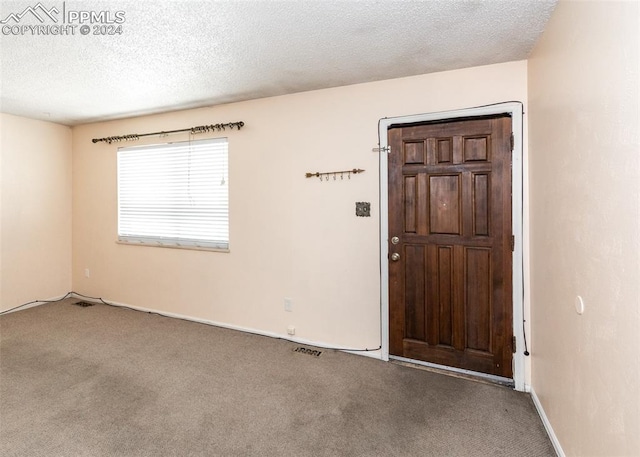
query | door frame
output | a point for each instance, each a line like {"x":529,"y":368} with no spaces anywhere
{"x":515,"y":110}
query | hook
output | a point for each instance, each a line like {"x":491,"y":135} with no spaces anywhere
{"x":327,"y":174}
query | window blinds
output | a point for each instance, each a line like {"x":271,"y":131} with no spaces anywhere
{"x":174,"y":194}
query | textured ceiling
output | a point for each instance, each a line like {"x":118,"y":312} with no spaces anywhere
{"x":182,"y":54}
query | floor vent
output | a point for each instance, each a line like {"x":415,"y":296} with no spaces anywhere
{"x":83,"y":304}
{"x":303,"y":350}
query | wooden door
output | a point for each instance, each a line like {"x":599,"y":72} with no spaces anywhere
{"x":450,"y":244}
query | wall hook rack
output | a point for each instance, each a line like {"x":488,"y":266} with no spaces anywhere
{"x":341,"y":173}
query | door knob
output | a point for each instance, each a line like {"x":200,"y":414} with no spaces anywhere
{"x":395,"y":256}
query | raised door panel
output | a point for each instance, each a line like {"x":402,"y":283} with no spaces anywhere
{"x":445,"y":193}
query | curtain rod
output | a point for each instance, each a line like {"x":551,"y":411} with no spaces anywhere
{"x":193,"y":130}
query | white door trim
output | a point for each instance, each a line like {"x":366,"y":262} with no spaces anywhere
{"x":514,"y":109}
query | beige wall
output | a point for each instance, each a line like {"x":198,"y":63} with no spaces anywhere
{"x":585,"y":226}
{"x":35,"y":210}
{"x":290,"y":236}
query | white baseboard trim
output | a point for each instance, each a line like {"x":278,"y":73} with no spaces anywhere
{"x":376,"y":354}
{"x":35,"y":303}
{"x":546,"y":423}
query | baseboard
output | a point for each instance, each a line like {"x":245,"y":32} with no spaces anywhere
{"x":376,"y":354}
{"x":546,"y":423}
{"x":34,"y":304}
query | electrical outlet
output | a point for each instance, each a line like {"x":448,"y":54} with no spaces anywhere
{"x":291,"y":330}
{"x":288,"y":305}
{"x":87,"y":273}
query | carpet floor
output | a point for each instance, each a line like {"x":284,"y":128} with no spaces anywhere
{"x":106,"y":381}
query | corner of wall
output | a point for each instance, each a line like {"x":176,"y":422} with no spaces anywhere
{"x":35,"y":210}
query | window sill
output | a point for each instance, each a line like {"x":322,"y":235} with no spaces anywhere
{"x":170,"y":246}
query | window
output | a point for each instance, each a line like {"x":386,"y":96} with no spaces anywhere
{"x":174,"y":194}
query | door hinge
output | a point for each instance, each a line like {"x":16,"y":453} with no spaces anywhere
{"x":513,"y":344}
{"x":513,"y":243}
{"x":512,"y":141}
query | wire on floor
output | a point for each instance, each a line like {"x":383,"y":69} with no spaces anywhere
{"x":73,"y":294}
